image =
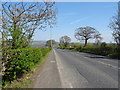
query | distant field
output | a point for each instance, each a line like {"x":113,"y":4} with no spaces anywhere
{"x":38,"y":44}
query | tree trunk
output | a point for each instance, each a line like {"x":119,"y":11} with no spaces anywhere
{"x":65,"y":45}
{"x":85,"y":43}
{"x":14,"y":36}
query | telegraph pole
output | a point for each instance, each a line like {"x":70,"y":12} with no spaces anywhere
{"x":119,"y":13}
{"x":119,"y":22}
{"x":51,"y":37}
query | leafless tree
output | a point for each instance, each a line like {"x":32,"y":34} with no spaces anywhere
{"x":21,"y":19}
{"x":19,"y":22}
{"x":115,"y":26}
{"x":85,"y":33}
{"x":97,"y":38}
{"x":65,"y":40}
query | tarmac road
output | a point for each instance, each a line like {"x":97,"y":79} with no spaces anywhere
{"x":82,"y":70}
{"x":69,"y":69}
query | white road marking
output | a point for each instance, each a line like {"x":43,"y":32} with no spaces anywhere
{"x":57,"y":62}
{"x":108,"y":64}
{"x":60,"y":68}
{"x":69,"y":75}
{"x":52,"y":61}
{"x":70,"y":85}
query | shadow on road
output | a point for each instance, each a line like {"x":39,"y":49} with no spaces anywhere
{"x":89,"y":55}
{"x":101,"y":57}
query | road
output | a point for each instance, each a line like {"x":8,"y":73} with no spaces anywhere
{"x":48,"y":75}
{"x":81,"y":70}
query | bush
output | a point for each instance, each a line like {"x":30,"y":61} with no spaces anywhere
{"x":20,"y":61}
{"x":103,"y":49}
{"x":99,"y":50}
{"x":79,"y":48}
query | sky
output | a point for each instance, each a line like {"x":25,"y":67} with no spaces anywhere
{"x":72,"y":15}
{"x":61,"y":0}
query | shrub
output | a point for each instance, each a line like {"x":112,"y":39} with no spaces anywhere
{"x":20,"y":61}
{"x":103,"y":49}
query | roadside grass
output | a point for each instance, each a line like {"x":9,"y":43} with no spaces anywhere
{"x":26,"y":81}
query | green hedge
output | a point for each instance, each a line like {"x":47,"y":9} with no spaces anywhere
{"x":105,"y":50}
{"x":21,"y":61}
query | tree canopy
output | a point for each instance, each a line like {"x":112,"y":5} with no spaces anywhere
{"x":65,"y":40}
{"x":50,"y":43}
{"x":86,"y":33}
{"x":21,"y":19}
{"x":115,"y":26}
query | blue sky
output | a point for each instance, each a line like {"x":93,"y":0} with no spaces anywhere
{"x":72,"y":15}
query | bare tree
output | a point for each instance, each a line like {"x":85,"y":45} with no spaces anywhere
{"x":20,"y":20}
{"x":97,"y":38}
{"x":115,"y":26}
{"x":85,"y":33}
{"x":65,"y":40}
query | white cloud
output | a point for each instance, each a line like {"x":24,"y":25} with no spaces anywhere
{"x":79,"y":20}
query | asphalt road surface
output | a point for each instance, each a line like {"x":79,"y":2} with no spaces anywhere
{"x":81,"y":70}
{"x":48,"y":75}
{"x":69,"y":69}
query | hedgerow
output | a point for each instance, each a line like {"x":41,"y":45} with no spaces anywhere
{"x":101,"y":50}
{"x":20,"y":61}
{"x":104,"y":49}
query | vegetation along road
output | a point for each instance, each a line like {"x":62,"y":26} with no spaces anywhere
{"x":69,"y":69}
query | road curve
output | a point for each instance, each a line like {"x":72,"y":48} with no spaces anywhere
{"x":82,"y":70}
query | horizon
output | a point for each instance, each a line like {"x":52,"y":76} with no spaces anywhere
{"x":73,"y":42}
